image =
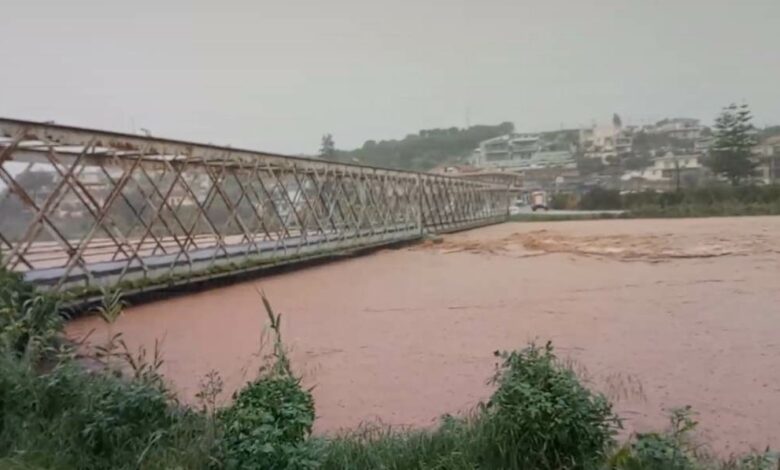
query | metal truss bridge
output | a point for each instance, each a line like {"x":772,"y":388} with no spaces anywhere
{"x":82,"y":209}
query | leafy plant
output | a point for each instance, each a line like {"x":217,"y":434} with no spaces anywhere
{"x":539,"y":417}
{"x":271,"y":417}
{"x":672,"y":450}
{"x":542,"y":417}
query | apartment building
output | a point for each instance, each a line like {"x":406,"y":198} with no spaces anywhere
{"x":606,"y":142}
{"x":519,"y":151}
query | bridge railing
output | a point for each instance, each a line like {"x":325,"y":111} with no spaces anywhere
{"x":81,"y":209}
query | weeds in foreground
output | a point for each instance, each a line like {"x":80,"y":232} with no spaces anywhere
{"x":677,"y":449}
{"x":539,"y":417}
{"x":271,"y":417}
{"x":29,"y":321}
{"x":116,"y":357}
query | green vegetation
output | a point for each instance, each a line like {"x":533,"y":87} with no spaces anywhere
{"x":699,"y":202}
{"x":552,"y":217}
{"x":328,"y":147}
{"x":539,"y":417}
{"x":111,"y":409}
{"x":271,"y":417}
{"x":705,"y":202}
{"x":732,"y":152}
{"x":424,"y":150}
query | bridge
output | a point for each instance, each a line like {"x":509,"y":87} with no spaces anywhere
{"x":84,"y":209}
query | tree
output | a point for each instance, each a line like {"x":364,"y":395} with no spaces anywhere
{"x":587,"y":166}
{"x":732,"y":151}
{"x":328,"y":148}
{"x":426,"y":148}
{"x":36,"y":183}
{"x":616,"y":121}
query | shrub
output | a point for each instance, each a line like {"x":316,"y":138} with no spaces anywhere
{"x":267,"y":425}
{"x":713,"y":200}
{"x":600,"y":199}
{"x":563,"y":201}
{"x":70,"y":418}
{"x":542,"y":417}
{"x":672,"y":450}
{"x":271,"y":418}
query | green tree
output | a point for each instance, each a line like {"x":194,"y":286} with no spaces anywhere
{"x":616,"y":121}
{"x":328,"y":147}
{"x":37,"y":184}
{"x":732,"y":151}
{"x":426,"y":148}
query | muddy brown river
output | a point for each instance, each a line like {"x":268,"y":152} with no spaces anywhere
{"x":654,"y":313}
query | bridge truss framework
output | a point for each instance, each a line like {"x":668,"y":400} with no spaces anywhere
{"x":83,"y":209}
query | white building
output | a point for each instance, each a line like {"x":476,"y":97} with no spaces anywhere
{"x":688,"y":168}
{"x":678,"y":128}
{"x":519,"y":151}
{"x":504,"y":149}
{"x":768,"y":156}
{"x":605,"y":142}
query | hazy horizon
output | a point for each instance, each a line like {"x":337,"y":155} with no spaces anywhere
{"x":276,"y":76}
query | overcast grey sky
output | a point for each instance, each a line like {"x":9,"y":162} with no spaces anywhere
{"x":276,"y":75}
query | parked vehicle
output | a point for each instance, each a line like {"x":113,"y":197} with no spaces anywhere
{"x":539,"y":200}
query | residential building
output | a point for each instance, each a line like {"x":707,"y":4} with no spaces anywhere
{"x":606,"y":142}
{"x":551,"y":179}
{"x":507,"y":150}
{"x":667,"y":172}
{"x":518,"y":152}
{"x":768,"y":156}
{"x":678,"y":128}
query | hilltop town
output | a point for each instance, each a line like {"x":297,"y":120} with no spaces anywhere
{"x":665,"y":155}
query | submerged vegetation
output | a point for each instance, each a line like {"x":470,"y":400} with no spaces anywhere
{"x":109,"y":408}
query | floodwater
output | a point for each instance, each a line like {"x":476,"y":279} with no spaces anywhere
{"x":654,"y":313}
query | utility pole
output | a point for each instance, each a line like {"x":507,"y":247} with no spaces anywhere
{"x":677,"y":173}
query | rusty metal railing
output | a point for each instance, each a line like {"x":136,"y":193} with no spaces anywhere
{"x":81,"y":209}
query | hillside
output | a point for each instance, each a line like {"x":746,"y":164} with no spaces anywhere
{"x":426,"y":149}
